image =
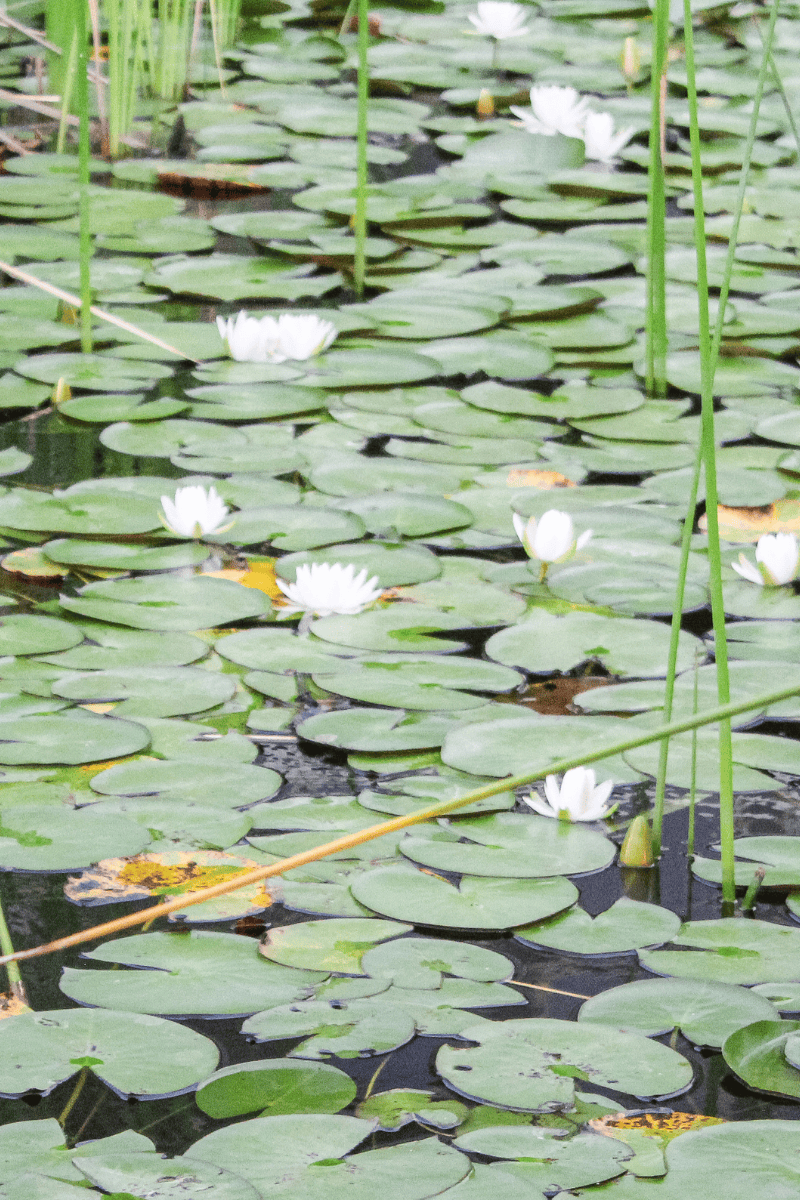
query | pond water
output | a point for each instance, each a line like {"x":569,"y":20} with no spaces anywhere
{"x":412,"y":1010}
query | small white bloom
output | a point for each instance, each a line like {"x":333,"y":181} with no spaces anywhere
{"x":602,"y":143}
{"x":579,"y":798}
{"x":500,"y":19}
{"x":551,"y":538}
{"x":327,"y":588}
{"x":777,"y":556}
{"x":195,"y":512}
{"x":554,"y":110}
{"x":267,"y":339}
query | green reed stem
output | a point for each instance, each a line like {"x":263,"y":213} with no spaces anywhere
{"x":84,"y":154}
{"x":360,"y":222}
{"x":12,"y":968}
{"x":59,"y":30}
{"x":68,"y":84}
{"x":656,"y":327}
{"x":658,"y":806}
{"x":672,"y":656}
{"x":693,"y":766}
{"x":707,"y":439}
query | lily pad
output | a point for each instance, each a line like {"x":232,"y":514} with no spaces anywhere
{"x":729,"y":951}
{"x":334,"y":945}
{"x":490,"y":904}
{"x":556,"y":1053}
{"x":169,"y":602}
{"x":764,"y":1055}
{"x":185,"y":974}
{"x":161,"y":1178}
{"x":511,"y":845}
{"x":69,"y":738}
{"x":706,"y":1013}
{"x":275,"y":1087}
{"x":627,"y":925}
{"x":44,"y":838}
{"x":135,"y":1055}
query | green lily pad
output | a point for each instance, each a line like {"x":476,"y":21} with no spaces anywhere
{"x":167,"y":602}
{"x":543,"y":1161}
{"x":275,"y":1087}
{"x":114,"y":647}
{"x":556,"y":1053}
{"x":424,"y":684}
{"x":353,"y":1028}
{"x":150,"y":691}
{"x":133,"y":1054}
{"x":414,"y":962}
{"x":29,"y":634}
{"x":624,"y":647}
{"x":510,"y":845}
{"x":729,"y":951}
{"x":227,"y":784}
{"x":69,"y":738}
{"x":40,"y":837}
{"x":706,"y":1013}
{"x":185,"y":974}
{"x":412,"y":629}
{"x":80,"y":512}
{"x":161,"y":1178}
{"x":765,"y":1055}
{"x":38,"y":1147}
{"x":94,"y":372}
{"x":381,"y":731}
{"x":491,"y":904}
{"x":333,"y":945}
{"x":625,"y":926}
{"x":526,"y":741}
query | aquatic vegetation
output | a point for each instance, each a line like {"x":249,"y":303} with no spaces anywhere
{"x":457,"y":316}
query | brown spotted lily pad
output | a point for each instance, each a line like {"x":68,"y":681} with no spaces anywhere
{"x":749,"y":524}
{"x":172,"y":873}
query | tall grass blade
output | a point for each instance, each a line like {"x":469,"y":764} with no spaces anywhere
{"x":710,"y":465}
{"x":656,"y":324}
{"x":360,"y":221}
{"x":669,"y":687}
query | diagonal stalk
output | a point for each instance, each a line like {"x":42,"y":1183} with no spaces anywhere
{"x":443,"y":809}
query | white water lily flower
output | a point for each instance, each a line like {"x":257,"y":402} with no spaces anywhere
{"x":267,"y":339}
{"x":554,"y":110}
{"x":602,"y":143}
{"x":777,"y":556}
{"x":551,"y":538}
{"x":579,"y":798}
{"x":327,"y":588}
{"x":195,"y":512}
{"x":499,"y":19}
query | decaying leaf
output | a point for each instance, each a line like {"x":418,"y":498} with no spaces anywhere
{"x":171,"y":873}
{"x":11,"y":1006}
{"x":749,"y":524}
{"x":259,"y":575}
{"x":545,"y":481}
{"x":31,"y":563}
{"x":661,"y":1125}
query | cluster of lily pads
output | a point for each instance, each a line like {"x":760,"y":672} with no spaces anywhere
{"x":376,"y":527}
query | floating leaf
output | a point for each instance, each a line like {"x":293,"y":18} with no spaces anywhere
{"x":276,"y":1086}
{"x":706,"y":1013}
{"x":135,"y":1055}
{"x":729,"y":951}
{"x":185,"y":974}
{"x":627,"y":925}
{"x":491,"y":904}
{"x":556,"y":1053}
{"x":171,"y":873}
